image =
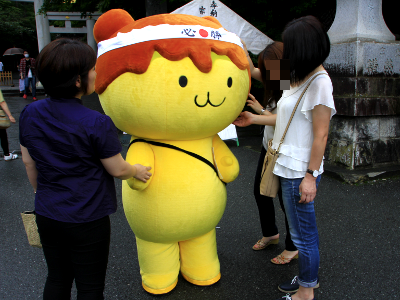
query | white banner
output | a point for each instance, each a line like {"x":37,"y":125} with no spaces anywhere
{"x":255,"y":40}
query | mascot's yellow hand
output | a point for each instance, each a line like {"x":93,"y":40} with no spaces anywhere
{"x":227,"y":164}
{"x":228,"y":167}
{"x":226,"y":161}
{"x":136,"y":184}
{"x":140,"y":153}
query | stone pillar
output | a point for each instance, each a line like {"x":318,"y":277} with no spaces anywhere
{"x":42,"y":26}
{"x":364,"y":65}
{"x":359,"y":20}
{"x":90,"y":37}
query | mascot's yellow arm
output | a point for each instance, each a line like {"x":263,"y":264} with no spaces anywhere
{"x":227,"y":164}
{"x":140,"y":153}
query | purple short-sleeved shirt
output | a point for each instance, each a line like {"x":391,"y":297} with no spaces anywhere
{"x":67,"y":141}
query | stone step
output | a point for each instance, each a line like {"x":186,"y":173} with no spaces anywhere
{"x":14,"y":91}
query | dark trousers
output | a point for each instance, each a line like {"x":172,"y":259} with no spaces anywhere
{"x":266,"y":208}
{"x":32,"y":82}
{"x":4,"y":141}
{"x":75,"y":251}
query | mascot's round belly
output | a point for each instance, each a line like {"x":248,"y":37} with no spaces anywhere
{"x":185,"y":199}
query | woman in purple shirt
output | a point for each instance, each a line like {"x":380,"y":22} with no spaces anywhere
{"x":71,"y":155}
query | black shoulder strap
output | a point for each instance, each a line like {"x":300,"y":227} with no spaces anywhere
{"x":199,"y":157}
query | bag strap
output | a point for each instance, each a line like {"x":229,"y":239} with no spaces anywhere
{"x":294,"y":110}
{"x":199,"y":157}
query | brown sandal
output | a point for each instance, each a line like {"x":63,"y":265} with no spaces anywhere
{"x":282,"y":260}
{"x":262,"y":245}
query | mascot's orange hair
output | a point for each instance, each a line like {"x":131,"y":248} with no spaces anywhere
{"x":136,"y":58}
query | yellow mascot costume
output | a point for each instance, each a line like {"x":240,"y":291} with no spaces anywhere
{"x":173,"y":82}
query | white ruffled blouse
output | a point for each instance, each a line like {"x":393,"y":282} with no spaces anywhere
{"x":295,"y":151}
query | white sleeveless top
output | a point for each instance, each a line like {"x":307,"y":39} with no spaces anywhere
{"x":295,"y":151}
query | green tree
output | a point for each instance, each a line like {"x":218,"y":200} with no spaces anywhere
{"x":17,"y":29}
{"x":136,"y":8}
{"x":17,"y":21}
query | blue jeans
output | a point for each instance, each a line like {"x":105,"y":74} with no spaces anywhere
{"x":33,"y":83}
{"x":303,"y":228}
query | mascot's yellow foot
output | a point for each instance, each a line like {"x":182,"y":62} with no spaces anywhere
{"x":160,"y":291}
{"x":203,"y":282}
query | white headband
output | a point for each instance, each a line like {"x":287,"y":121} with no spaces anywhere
{"x":167,"y":31}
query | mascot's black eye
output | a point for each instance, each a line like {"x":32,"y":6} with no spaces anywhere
{"x":229,"y":81}
{"x":183,"y":81}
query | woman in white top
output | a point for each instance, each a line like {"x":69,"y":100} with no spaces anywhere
{"x":271,"y":79}
{"x":300,"y":162}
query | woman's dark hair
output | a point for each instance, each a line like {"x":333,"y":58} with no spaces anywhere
{"x":273,"y":51}
{"x":306,"y":45}
{"x":59,"y":65}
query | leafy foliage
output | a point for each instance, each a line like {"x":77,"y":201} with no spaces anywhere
{"x":17,"y":22}
{"x":17,"y":29}
{"x":136,"y":8}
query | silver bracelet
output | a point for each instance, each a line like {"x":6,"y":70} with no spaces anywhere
{"x":262,"y":111}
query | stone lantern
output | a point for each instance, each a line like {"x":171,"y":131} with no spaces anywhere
{"x":364,"y":65}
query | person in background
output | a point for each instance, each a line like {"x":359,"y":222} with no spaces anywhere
{"x":3,"y":133}
{"x":21,"y":84}
{"x":27,"y":73}
{"x":72,"y":154}
{"x":271,"y":79}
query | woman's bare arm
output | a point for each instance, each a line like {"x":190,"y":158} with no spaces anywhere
{"x":4,"y":107}
{"x":255,"y":72}
{"x":118,"y":167}
{"x":321,"y":115}
{"x":30,"y":167}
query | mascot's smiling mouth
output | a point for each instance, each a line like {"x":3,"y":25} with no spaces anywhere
{"x":208,"y":101}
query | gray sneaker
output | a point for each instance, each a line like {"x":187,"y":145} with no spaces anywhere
{"x":292,"y":286}
{"x":287,"y":297}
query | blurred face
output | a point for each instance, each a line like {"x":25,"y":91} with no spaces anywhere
{"x":26,"y":54}
{"x":278,"y":74}
{"x":91,"y":79}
